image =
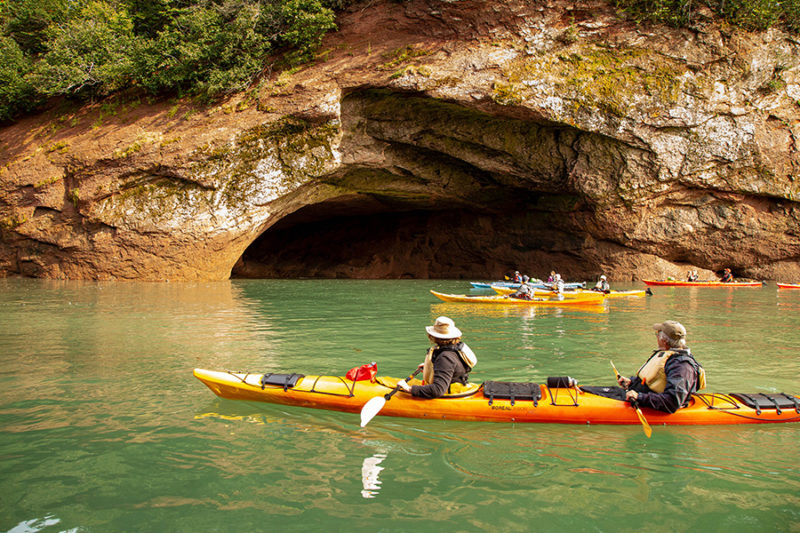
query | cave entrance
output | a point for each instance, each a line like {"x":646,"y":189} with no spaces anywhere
{"x":356,"y":238}
{"x":431,"y":189}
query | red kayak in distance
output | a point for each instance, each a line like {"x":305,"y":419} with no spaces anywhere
{"x":788,"y":286}
{"x":677,"y":283}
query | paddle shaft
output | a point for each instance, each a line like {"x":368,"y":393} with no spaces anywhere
{"x":645,"y":426}
{"x":417,"y":371}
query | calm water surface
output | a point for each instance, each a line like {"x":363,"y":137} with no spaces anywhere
{"x":104,"y":429}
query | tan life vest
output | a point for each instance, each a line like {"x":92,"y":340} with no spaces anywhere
{"x":653,"y":375}
{"x":466,"y":354}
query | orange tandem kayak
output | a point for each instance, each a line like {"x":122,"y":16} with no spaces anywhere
{"x":676,"y":283}
{"x":489,"y":403}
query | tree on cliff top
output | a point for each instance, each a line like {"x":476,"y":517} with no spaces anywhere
{"x":91,"y":48}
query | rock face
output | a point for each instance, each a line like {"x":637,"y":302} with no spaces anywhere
{"x":434,"y":138}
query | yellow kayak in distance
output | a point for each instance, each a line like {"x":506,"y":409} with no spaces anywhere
{"x":587,"y":298}
{"x":571,"y":294}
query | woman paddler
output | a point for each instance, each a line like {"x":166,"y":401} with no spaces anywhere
{"x":448,"y":361}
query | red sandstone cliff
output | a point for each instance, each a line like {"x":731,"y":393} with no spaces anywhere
{"x":433,"y":139}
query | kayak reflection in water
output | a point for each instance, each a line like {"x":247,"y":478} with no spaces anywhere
{"x":447,"y":362}
{"x":667,"y":379}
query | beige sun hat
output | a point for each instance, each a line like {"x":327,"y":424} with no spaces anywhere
{"x":443,"y":328}
{"x":673,"y":330}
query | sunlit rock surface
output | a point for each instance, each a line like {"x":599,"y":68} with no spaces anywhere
{"x":433,"y":139}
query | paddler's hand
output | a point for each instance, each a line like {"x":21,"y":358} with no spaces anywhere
{"x":631,"y":395}
{"x":623,"y":382}
{"x":403,"y":385}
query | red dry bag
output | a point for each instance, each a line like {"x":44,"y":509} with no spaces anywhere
{"x":363,"y":372}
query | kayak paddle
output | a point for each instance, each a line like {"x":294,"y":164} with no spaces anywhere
{"x":645,"y":426}
{"x":374,"y":406}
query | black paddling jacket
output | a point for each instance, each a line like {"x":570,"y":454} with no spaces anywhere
{"x":448,"y":367}
{"x":682,"y":371}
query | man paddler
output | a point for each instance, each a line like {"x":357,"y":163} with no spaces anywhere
{"x":667,"y":379}
{"x":448,"y":361}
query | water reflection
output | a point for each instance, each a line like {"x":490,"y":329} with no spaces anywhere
{"x":369,"y":475}
{"x":37,"y":524}
{"x":521,"y":311}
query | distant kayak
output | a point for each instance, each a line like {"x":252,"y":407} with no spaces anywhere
{"x":571,"y":294}
{"x":676,"y":283}
{"x":788,"y":286}
{"x":586,"y":298}
{"x":490,"y":401}
{"x":513,"y":285}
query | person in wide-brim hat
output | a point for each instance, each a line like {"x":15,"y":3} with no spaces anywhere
{"x":448,"y":361}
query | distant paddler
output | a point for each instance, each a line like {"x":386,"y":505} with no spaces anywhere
{"x":558,"y":287}
{"x":524,"y":292}
{"x":602,"y":285}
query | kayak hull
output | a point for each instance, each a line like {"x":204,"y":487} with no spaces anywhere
{"x":595,"y":298}
{"x":788,"y":286}
{"x":557,"y":405}
{"x":675,"y":283}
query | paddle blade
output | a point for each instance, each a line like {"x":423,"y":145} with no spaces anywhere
{"x":645,"y":426}
{"x":371,"y":408}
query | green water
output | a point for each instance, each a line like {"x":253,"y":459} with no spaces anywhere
{"x":104,"y":429}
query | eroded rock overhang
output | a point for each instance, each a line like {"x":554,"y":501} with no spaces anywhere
{"x":437,"y":140}
{"x":428,"y":188}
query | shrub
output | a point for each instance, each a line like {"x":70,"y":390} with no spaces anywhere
{"x":17,"y":94}
{"x":747,"y":14}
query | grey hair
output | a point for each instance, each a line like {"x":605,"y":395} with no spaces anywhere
{"x":679,"y":344}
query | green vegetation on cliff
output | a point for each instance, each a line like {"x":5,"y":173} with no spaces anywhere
{"x":209,"y":48}
{"x":747,"y":14}
{"x":92,"y":48}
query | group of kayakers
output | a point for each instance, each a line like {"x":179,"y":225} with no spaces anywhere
{"x":664,"y":382}
{"x":556,"y":286}
{"x":726,"y":277}
{"x":525,"y":291}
